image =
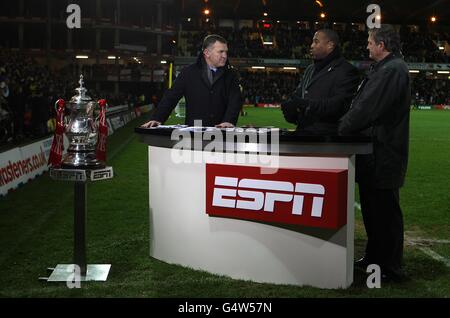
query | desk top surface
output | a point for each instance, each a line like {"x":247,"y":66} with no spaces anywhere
{"x":256,"y":140}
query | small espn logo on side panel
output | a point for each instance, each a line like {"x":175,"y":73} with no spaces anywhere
{"x":313,"y":198}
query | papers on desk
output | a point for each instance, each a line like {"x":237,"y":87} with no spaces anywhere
{"x":196,"y":128}
{"x":261,"y":130}
{"x":233,"y":129}
{"x":168,"y":127}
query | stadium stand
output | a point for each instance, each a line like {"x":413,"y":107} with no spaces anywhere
{"x":127,"y":53}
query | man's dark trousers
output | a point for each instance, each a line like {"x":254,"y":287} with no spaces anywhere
{"x":383,"y":221}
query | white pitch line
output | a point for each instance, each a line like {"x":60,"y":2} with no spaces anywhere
{"x":434,"y":255}
{"x":422,"y":240}
{"x":119,"y":149}
{"x":426,"y":250}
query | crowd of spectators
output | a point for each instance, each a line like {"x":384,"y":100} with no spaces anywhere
{"x":421,"y":47}
{"x":29,"y":90}
{"x":294,"y":43}
{"x":273,"y":87}
{"x":430,"y":91}
{"x":267,"y":87}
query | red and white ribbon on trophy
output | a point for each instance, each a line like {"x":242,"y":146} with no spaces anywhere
{"x":102,"y":132}
{"x":57,"y":148}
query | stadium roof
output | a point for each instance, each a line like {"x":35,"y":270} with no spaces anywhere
{"x":393,"y":11}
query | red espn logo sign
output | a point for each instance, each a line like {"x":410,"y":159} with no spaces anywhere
{"x":314,"y":198}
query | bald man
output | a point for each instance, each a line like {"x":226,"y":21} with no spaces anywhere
{"x":326,"y":89}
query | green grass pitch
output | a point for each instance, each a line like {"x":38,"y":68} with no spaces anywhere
{"x":36,"y":228}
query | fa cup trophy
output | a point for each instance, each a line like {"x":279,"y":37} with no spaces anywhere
{"x":84,"y":161}
{"x":87,"y":136}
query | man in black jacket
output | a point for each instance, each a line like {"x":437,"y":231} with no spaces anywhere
{"x":381,"y":110}
{"x":210,"y":87}
{"x":326,"y":90}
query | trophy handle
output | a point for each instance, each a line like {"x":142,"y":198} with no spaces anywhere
{"x":59,"y":108}
{"x":60,"y":102}
{"x":102,"y":103}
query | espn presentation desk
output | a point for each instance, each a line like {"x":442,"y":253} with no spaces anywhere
{"x":232,"y":212}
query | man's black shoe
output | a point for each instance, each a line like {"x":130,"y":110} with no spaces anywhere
{"x":362,"y":263}
{"x":393,"y":276}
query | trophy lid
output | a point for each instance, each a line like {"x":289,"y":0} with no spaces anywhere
{"x":81,"y":98}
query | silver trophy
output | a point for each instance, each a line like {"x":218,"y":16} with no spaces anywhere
{"x":81,"y":130}
{"x":80,"y":165}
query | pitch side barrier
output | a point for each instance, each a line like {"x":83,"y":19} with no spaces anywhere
{"x":22,"y":164}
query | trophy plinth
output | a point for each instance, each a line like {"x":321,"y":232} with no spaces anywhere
{"x":79,"y":271}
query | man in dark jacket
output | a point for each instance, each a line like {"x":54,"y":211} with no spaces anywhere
{"x":326,"y":90}
{"x":381,"y":110}
{"x":210,"y":87}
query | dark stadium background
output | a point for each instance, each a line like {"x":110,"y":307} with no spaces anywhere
{"x":38,"y":56}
